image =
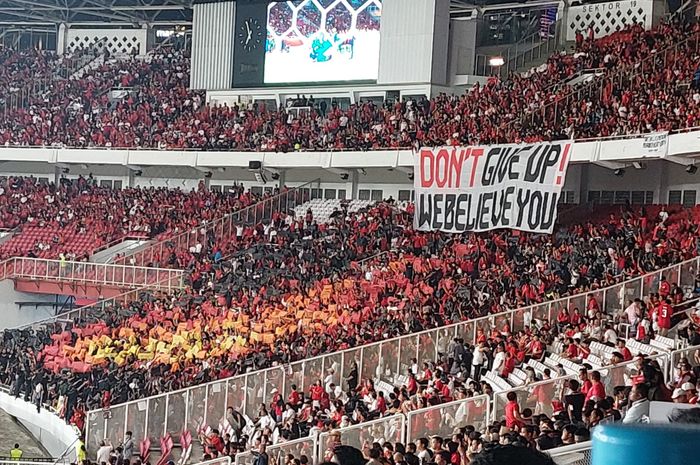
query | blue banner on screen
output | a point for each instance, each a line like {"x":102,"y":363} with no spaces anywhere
{"x":322,"y":41}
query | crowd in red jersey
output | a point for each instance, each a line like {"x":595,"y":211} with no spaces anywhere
{"x":160,"y":111}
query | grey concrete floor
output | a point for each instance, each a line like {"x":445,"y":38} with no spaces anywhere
{"x":12,"y":433}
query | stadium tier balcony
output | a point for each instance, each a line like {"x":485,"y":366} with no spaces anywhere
{"x":450,"y":400}
{"x":254,"y":318}
{"x":159,"y":111}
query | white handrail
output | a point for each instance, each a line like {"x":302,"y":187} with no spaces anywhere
{"x":355,"y":351}
{"x":102,"y":273}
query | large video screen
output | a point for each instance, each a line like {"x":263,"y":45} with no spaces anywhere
{"x":322,"y":40}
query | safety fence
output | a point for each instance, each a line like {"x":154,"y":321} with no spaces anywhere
{"x":101,"y":274}
{"x":224,"y":228}
{"x":387,"y":361}
{"x":546,"y":397}
{"x":574,"y":454}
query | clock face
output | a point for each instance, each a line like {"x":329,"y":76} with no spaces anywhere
{"x":251,"y":34}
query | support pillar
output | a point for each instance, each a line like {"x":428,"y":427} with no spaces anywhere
{"x":62,"y":38}
{"x":353,"y":184}
{"x":282,"y":179}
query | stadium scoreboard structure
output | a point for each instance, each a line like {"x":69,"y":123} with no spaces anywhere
{"x":309,"y":41}
{"x":265,"y":44}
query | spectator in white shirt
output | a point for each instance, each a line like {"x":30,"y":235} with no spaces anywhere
{"x":499,"y":359}
{"x":103,"y":452}
{"x":633,"y":312}
{"x":609,"y":335}
{"x":414,"y":366}
{"x":638,"y":411}
{"x":478,"y":360}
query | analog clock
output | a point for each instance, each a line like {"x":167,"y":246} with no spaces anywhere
{"x":251,"y":34}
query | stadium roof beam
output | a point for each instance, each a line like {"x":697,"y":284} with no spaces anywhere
{"x":611,"y":165}
{"x":95,"y":12}
{"x":32,"y":10}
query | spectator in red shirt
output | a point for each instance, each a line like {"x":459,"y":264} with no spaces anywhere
{"x":663,"y":316}
{"x":664,"y":288}
{"x":294,"y":397}
{"x":508,"y":365}
{"x":624,"y":351}
{"x":514,"y":419}
{"x":584,"y":380}
{"x":316,"y":393}
{"x":596,"y":391}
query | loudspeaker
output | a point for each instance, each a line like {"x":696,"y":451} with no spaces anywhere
{"x":254,"y":165}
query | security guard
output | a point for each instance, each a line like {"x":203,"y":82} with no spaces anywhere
{"x":81,"y":452}
{"x":16,"y":453}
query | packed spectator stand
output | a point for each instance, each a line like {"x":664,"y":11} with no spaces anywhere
{"x":294,"y":287}
{"x":199,"y":347}
{"x":77,"y":217}
{"x":159,"y":111}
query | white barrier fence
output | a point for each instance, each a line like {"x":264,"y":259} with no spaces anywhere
{"x":444,"y":419}
{"x":386,"y":361}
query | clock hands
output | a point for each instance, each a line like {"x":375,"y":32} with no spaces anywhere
{"x":249,"y":32}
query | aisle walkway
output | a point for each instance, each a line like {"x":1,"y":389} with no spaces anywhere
{"x":12,"y":433}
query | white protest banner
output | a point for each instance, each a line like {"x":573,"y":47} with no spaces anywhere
{"x":489,"y":187}
{"x":655,"y":144}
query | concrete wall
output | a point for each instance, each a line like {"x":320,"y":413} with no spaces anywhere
{"x":10,"y":314}
{"x":52,"y":432}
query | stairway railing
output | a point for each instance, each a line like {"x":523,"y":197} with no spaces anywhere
{"x":222,"y":228}
{"x":103,"y":274}
{"x":530,"y":48}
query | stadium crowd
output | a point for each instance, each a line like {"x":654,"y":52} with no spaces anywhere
{"x":159,"y":110}
{"x":76,"y":217}
{"x":296,"y":292}
{"x":569,"y":408}
{"x":548,"y":411}
{"x":290,"y":288}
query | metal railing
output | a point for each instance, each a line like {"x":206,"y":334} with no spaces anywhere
{"x":121,"y":276}
{"x":442,"y":419}
{"x":95,"y":311}
{"x":223,"y":460}
{"x":542,"y":396}
{"x":277,"y":452}
{"x":387,"y":360}
{"x":690,"y":353}
{"x":223,"y":228}
{"x":528,"y":49}
{"x":390,"y":429}
{"x":575,"y":454}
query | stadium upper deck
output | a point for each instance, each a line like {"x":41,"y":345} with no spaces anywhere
{"x":294,"y":287}
{"x":159,"y":111}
